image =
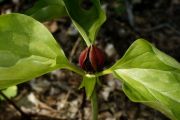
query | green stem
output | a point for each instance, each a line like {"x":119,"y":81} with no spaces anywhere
{"x":75,"y":69}
{"x":107,"y":71}
{"x":94,"y":104}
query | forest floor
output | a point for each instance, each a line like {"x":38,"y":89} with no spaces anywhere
{"x":55,"y":96}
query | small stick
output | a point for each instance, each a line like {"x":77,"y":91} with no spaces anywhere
{"x":129,"y":9}
{"x":74,"y":48}
{"x":24,"y":115}
{"x":83,"y":103}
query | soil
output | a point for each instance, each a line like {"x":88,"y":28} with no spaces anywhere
{"x":55,"y":96}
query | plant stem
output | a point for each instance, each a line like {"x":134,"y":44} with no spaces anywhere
{"x":107,"y":71}
{"x":82,"y":72}
{"x":94,"y":105}
{"x":75,"y":69}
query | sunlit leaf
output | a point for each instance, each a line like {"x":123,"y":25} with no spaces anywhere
{"x":44,"y":10}
{"x":9,"y":92}
{"x":150,"y":77}
{"x":27,"y":50}
{"x":87,"y":21}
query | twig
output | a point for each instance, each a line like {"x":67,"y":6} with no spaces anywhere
{"x":129,"y":9}
{"x":83,"y":103}
{"x":156,"y":27}
{"x":174,"y":29}
{"x":74,"y":48}
{"x":161,"y":26}
{"x":46,"y":117}
{"x":24,"y":115}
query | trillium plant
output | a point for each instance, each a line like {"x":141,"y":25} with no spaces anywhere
{"x":28,"y":50}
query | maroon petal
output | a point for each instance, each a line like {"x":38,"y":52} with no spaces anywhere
{"x":93,"y":57}
{"x":96,"y":57}
{"x":83,"y":57}
{"x":99,"y":56}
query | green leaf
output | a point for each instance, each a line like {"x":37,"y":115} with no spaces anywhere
{"x":27,"y":50}
{"x":150,"y":77}
{"x":89,"y":82}
{"x":9,"y":92}
{"x":144,"y":55}
{"x":88,"y":21}
{"x":44,"y":10}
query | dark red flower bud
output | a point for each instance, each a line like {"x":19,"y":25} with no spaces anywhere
{"x":92,"y":59}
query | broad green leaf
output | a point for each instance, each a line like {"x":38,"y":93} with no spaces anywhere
{"x":27,"y":50}
{"x":88,"y":21}
{"x":142,"y":54}
{"x":44,"y":10}
{"x":150,"y":77}
{"x":9,"y":92}
{"x":89,"y":83}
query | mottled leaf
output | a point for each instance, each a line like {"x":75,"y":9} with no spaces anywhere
{"x":27,"y":50}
